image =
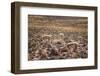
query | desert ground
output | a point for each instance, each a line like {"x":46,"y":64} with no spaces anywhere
{"x":57,"y":37}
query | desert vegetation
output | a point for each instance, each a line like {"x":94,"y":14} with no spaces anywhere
{"x":57,"y":37}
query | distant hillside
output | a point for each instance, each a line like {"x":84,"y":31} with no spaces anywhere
{"x":58,"y":21}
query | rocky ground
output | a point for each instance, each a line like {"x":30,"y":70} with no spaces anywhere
{"x":58,"y":45}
